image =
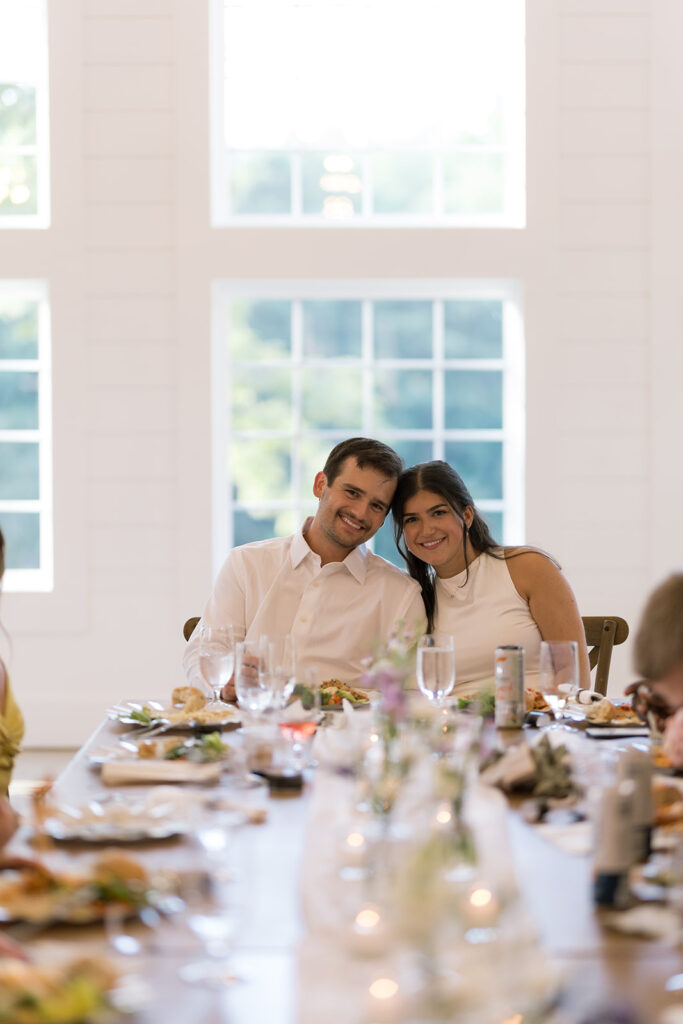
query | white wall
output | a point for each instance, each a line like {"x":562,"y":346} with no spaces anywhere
{"x":130,"y":259}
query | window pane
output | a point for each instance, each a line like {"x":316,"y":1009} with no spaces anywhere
{"x":403,"y":183}
{"x":261,"y":330}
{"x":17,"y":114}
{"x":473,"y":183}
{"x":332,"y":329}
{"x":18,"y":185}
{"x":495,"y":522}
{"x":403,"y":330}
{"x":473,"y":329}
{"x":473,"y":399}
{"x":331,"y":184}
{"x":19,"y":470}
{"x":332,"y":399}
{"x":403,"y":399}
{"x":312,"y":454}
{"x":18,"y":328}
{"x":261,"y":400}
{"x":260,"y":525}
{"x":22,"y":539}
{"x":413,"y":452}
{"x":261,"y":183}
{"x":261,"y":471}
{"x":385,"y":545}
{"x":480,"y":464}
{"x":18,"y":401}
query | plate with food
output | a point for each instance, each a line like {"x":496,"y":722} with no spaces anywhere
{"x":612,"y":714}
{"x":206,"y":748}
{"x":187,"y":710}
{"x":74,"y":988}
{"x":333,"y":693}
{"x":121,"y":817}
{"x":29,"y":891}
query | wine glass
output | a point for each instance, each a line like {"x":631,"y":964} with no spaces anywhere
{"x":558,"y":670}
{"x":216,"y":659}
{"x":282,"y":656}
{"x":253,"y":674}
{"x":299,"y":719}
{"x":436,"y":666}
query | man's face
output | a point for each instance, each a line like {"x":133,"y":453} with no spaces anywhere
{"x":353,"y":507}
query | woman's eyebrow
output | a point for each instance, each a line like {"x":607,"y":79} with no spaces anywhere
{"x":442,"y":504}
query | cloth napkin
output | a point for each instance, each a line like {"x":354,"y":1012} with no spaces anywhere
{"x":118,"y":773}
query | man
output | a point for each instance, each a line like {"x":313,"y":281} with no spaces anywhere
{"x":322,"y":585}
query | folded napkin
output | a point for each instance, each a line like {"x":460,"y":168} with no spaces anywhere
{"x":118,"y":773}
{"x":576,"y":839}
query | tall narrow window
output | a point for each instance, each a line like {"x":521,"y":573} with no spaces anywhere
{"x":25,"y":435}
{"x":24,"y":145}
{"x":369,"y":111}
{"x":434,"y":369}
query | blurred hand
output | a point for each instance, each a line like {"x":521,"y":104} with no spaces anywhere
{"x":648,"y":704}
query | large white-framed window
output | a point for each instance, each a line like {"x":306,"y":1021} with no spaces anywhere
{"x":435,"y":368}
{"x":368,"y":112}
{"x":24,"y":115}
{"x":26,"y":435}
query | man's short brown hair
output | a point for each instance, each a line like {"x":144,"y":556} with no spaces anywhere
{"x":367,"y":452}
{"x":658,"y":645}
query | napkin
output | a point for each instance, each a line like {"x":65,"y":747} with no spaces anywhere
{"x":118,"y":773}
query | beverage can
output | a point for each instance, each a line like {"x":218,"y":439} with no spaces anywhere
{"x":509,"y":683}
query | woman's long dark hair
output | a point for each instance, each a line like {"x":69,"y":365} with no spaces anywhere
{"x":441,"y":479}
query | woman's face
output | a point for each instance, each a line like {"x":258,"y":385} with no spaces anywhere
{"x":434,"y":533}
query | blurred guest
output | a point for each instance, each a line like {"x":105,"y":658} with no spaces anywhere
{"x":483,"y":594}
{"x":658,"y":653}
{"x":11,"y":720}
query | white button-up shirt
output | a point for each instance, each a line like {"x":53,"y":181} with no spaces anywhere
{"x":338,"y":613}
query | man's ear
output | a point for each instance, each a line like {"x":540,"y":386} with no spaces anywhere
{"x":319,"y":484}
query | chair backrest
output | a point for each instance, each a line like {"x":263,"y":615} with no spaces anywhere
{"x":602,"y":633}
{"x":190,"y":626}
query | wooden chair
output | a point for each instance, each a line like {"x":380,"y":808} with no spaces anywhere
{"x":601,"y":636}
{"x":190,"y":626}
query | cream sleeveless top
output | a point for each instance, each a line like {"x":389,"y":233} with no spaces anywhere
{"x":483,"y":612}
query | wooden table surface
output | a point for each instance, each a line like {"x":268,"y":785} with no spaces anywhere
{"x":601,"y":968}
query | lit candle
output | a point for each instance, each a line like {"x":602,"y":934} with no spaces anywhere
{"x":369,"y":930}
{"x":481,"y":907}
{"x":385,"y":1002}
{"x":444,"y":814}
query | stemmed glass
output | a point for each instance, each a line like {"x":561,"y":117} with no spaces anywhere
{"x":436,"y":666}
{"x":299,"y":720}
{"x":282,"y":657}
{"x":558,"y":670}
{"x":216,"y":659}
{"x":253,"y":674}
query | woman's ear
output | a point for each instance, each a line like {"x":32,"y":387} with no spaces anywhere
{"x":468,"y":516}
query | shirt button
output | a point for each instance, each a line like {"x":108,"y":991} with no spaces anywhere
{"x":303,"y":619}
{"x":316,"y":584}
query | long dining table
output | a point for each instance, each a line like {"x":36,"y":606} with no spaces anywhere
{"x":293,"y":972}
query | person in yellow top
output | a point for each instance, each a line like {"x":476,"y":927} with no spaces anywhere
{"x":11,"y":719}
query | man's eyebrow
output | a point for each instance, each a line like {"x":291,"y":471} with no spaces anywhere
{"x":359,"y":490}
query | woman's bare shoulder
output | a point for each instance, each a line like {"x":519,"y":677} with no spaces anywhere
{"x":530,"y":568}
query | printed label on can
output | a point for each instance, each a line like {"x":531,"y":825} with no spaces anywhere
{"x":509,"y":681}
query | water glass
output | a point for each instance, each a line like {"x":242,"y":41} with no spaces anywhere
{"x":216,"y":658}
{"x":253,"y":675}
{"x":282,"y":664}
{"x":558,"y":673}
{"x":436,"y":666}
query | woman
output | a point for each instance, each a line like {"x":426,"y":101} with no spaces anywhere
{"x":658,"y":653}
{"x":482,"y":594}
{"x":11,"y":720}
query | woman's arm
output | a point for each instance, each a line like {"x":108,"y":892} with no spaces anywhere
{"x":551,"y":603}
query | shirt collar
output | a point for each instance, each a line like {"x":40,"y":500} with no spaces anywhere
{"x":355,"y":562}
